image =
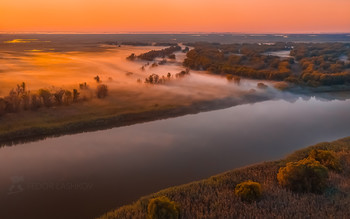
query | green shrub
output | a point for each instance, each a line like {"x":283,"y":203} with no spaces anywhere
{"x":162,"y":208}
{"x":326,"y":158}
{"x":249,"y":191}
{"x":306,"y":175}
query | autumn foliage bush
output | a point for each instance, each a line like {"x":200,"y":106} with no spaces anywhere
{"x":326,"y":158}
{"x":248,"y":191}
{"x":307,"y":175}
{"x":162,"y":208}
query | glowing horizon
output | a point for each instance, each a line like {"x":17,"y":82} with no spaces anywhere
{"x":190,"y":16}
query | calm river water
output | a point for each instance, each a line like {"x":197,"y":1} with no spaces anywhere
{"x":84,"y":175}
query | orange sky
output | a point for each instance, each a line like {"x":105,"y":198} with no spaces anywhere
{"x":253,"y":16}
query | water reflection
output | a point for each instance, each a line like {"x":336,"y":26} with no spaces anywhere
{"x":197,"y":107}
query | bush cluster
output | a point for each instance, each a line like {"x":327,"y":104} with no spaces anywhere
{"x":162,"y":208}
{"x":326,"y":158}
{"x":307,"y":175}
{"x":248,"y":191}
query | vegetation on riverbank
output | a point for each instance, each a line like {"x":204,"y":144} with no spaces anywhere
{"x":321,"y":64}
{"x":151,"y":55}
{"x":215,"y":197}
{"x":113,"y":111}
{"x":22,"y":99}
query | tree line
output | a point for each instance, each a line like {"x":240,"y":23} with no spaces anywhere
{"x":319,"y":64}
{"x":242,"y":60}
{"x":151,"y":55}
{"x":20,"y":98}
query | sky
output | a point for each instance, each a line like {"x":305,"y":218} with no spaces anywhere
{"x":115,"y":16}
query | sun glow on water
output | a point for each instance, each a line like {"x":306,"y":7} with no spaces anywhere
{"x":20,"y":41}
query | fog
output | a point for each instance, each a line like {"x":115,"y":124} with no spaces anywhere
{"x":49,"y":68}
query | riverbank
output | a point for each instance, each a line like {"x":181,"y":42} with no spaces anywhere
{"x":86,"y":117}
{"x":214,"y":197}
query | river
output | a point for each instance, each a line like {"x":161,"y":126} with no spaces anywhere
{"x":84,"y":175}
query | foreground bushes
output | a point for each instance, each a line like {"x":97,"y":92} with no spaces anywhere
{"x":326,"y":158}
{"x":307,"y":175}
{"x":162,"y":208}
{"x":215,"y":198}
{"x":248,"y":191}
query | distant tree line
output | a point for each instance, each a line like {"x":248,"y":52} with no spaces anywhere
{"x":319,"y":64}
{"x":136,"y":43}
{"x":151,"y":55}
{"x":156,"y":79}
{"x":241,"y":60}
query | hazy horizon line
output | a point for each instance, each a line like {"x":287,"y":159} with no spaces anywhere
{"x":167,"y":32}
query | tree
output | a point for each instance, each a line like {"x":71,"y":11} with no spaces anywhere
{"x":248,"y":191}
{"x":36,"y":103}
{"x":262,"y":85}
{"x":12,"y":101}
{"x":131,"y":57}
{"x":21,"y":88}
{"x":172,"y":56}
{"x":229,"y":77}
{"x":162,"y":208}
{"x":59,"y":96}
{"x":2,"y":106}
{"x":306,"y":175}
{"x":23,"y":95}
{"x":237,"y":80}
{"x":102,"y":91}
{"x":84,"y":86}
{"x":97,"y":79}
{"x":75,"y":95}
{"x":67,"y":97}
{"x":46,"y":97}
{"x":153,"y":79}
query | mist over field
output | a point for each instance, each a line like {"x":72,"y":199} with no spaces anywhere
{"x":40,"y":64}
